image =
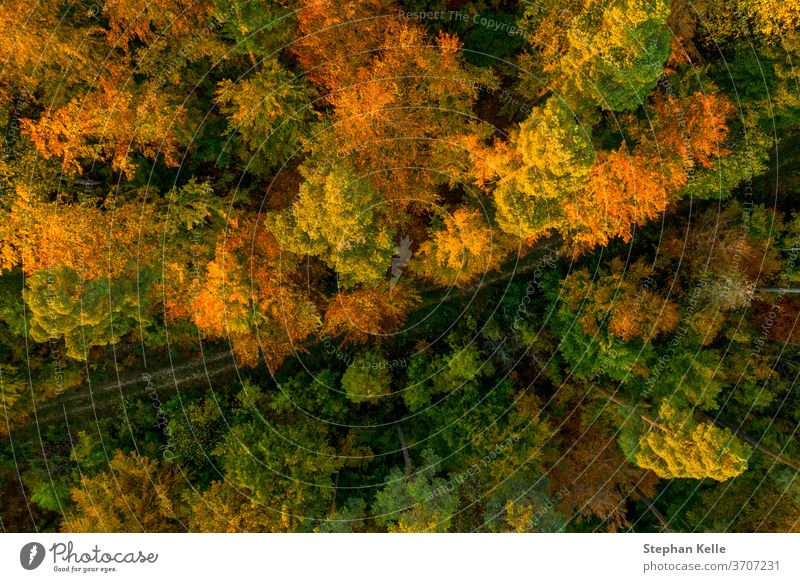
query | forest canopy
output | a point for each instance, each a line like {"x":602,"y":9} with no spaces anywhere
{"x":384,"y":266}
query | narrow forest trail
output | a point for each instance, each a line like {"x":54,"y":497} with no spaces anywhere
{"x":537,"y":258}
{"x":82,"y":404}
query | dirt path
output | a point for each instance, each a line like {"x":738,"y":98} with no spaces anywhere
{"x":540,"y":257}
{"x":82,"y":404}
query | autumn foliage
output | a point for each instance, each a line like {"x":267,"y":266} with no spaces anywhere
{"x":371,"y":312}
{"x":399,"y":265}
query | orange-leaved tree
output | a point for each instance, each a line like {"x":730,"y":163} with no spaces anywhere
{"x":136,"y":494}
{"x":462,"y":251}
{"x":368,"y":312}
{"x":249,"y":294}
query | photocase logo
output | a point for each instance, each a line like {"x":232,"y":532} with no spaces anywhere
{"x":31,"y":555}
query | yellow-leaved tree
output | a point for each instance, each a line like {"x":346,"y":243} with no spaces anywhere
{"x":137,"y":494}
{"x":680,"y":447}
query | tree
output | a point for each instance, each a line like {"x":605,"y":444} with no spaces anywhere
{"x":608,"y":323}
{"x":550,"y":157}
{"x":733,"y":507}
{"x":136,"y":494}
{"x":288,"y":469}
{"x":623,"y":191}
{"x":726,"y":252}
{"x":368,"y":312}
{"x":249,"y":294}
{"x":268,"y":114}
{"x":107,"y":125}
{"x":386,"y":120}
{"x":624,"y":300}
{"x":93,"y":242}
{"x":256,"y":29}
{"x":223,"y":508}
{"x":694,"y":128}
{"x":38,"y":47}
{"x":194,"y":219}
{"x":679,"y":447}
{"x":348,"y":519}
{"x":222,"y":306}
{"x":421,"y":503}
{"x":83,"y":314}
{"x":429,"y":377}
{"x":482,"y":429}
{"x":610,"y":53}
{"x":30,"y":375}
{"x":194,"y":428}
{"x":128,"y":21}
{"x":461,"y":252}
{"x":726,"y":23}
{"x":339,"y":218}
{"x":597,"y":478}
{"x":549,"y":177}
{"x":368,"y":378}
{"x":337,"y":37}
{"x":631,"y":186}
{"x":525,"y":503}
